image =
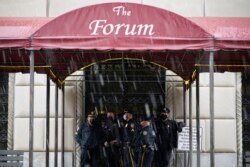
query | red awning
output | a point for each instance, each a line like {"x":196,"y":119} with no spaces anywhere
{"x":114,"y":30}
{"x":16,"y":32}
{"x":121,"y":26}
{"x":229,"y":33}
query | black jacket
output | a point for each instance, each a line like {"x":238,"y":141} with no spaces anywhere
{"x":89,"y":137}
{"x":167,"y":133}
{"x":128,"y":131}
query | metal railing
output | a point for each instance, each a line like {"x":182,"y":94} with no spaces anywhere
{"x":11,"y":158}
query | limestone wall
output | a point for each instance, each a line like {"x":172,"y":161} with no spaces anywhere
{"x":225,"y":116}
{"x":226,"y":142}
{"x":21,"y":114}
{"x":21,"y":110}
{"x":225,"y":101}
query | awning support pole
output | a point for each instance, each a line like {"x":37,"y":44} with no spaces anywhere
{"x":185,"y":118}
{"x":190,"y":127}
{"x":31,"y":117}
{"x":47,"y":119}
{"x":63,"y":121}
{"x":83,"y":91}
{"x":56,"y":127}
{"x":211,"y":87}
{"x":47,"y":7}
{"x":75,"y":154}
{"x":198,"y":116}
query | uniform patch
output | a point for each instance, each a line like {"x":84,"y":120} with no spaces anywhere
{"x":153,"y":133}
{"x":132,"y":125}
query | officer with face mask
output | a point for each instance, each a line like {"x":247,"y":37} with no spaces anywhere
{"x":112,"y":141}
{"x":89,"y":137}
{"x":145,"y":140}
{"x":128,"y":130}
{"x":167,"y":136}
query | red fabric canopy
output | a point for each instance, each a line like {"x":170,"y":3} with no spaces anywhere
{"x":229,"y":33}
{"x":16,"y":32}
{"x":73,"y":38}
{"x":121,"y":26}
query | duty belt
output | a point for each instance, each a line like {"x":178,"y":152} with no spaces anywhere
{"x":148,"y":147}
{"x":125,"y":143}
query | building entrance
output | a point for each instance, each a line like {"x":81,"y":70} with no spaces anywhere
{"x":125,"y":84}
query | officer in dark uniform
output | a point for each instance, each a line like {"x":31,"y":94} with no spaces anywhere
{"x":145,"y":140}
{"x":89,"y":138}
{"x":128,"y":131}
{"x":167,"y":136}
{"x":112,"y":141}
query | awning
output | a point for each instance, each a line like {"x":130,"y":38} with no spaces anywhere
{"x":16,"y":32}
{"x":231,"y":39}
{"x":122,"y":30}
{"x":229,"y":33}
{"x":121,"y":26}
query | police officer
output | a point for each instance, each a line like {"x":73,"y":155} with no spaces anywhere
{"x":89,"y":137}
{"x":167,"y":136}
{"x":146,"y":140}
{"x":112,"y":141}
{"x":128,"y":131}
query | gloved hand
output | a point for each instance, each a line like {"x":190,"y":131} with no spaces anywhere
{"x":181,"y":124}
